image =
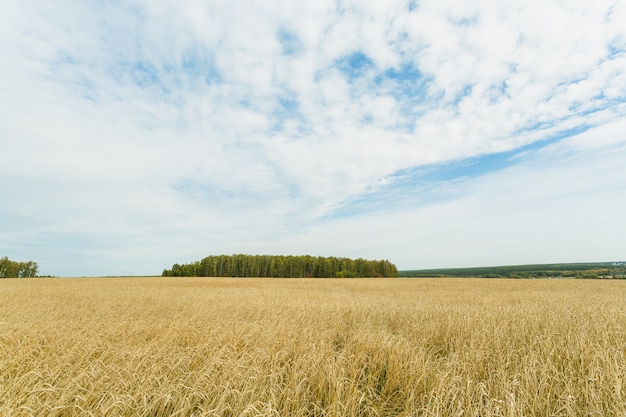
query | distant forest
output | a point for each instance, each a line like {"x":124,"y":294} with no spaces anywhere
{"x":593,"y":270}
{"x":283,"y":267}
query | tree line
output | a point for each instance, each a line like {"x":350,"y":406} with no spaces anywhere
{"x":12,"y":269}
{"x":590,"y":270}
{"x":278,"y":266}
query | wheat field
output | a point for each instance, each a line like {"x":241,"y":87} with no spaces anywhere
{"x":307,"y":347}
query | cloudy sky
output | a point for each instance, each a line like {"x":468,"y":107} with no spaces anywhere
{"x":434,"y":133}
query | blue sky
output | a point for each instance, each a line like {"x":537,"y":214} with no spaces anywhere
{"x":137,"y":134}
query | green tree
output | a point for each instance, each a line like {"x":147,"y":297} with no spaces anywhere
{"x":11,"y":269}
{"x":240,"y":265}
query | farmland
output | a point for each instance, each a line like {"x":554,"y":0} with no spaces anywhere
{"x":312,"y":347}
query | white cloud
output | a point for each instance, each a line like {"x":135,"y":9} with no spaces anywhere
{"x":195,"y":120}
{"x":563,"y":203}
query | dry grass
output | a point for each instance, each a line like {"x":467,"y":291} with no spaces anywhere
{"x":277,"y":347}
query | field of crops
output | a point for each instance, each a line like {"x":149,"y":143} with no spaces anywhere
{"x":312,"y":347}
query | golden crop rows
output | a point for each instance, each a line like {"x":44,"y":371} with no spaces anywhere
{"x":306,"y":347}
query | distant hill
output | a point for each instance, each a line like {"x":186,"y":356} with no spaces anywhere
{"x":570,"y":270}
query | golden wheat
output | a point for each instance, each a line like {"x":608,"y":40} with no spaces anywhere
{"x":280,"y":347}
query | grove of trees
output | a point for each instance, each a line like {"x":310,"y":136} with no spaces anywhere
{"x":283,"y":267}
{"x":12,"y":269}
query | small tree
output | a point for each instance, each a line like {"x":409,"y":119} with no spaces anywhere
{"x":11,"y":269}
